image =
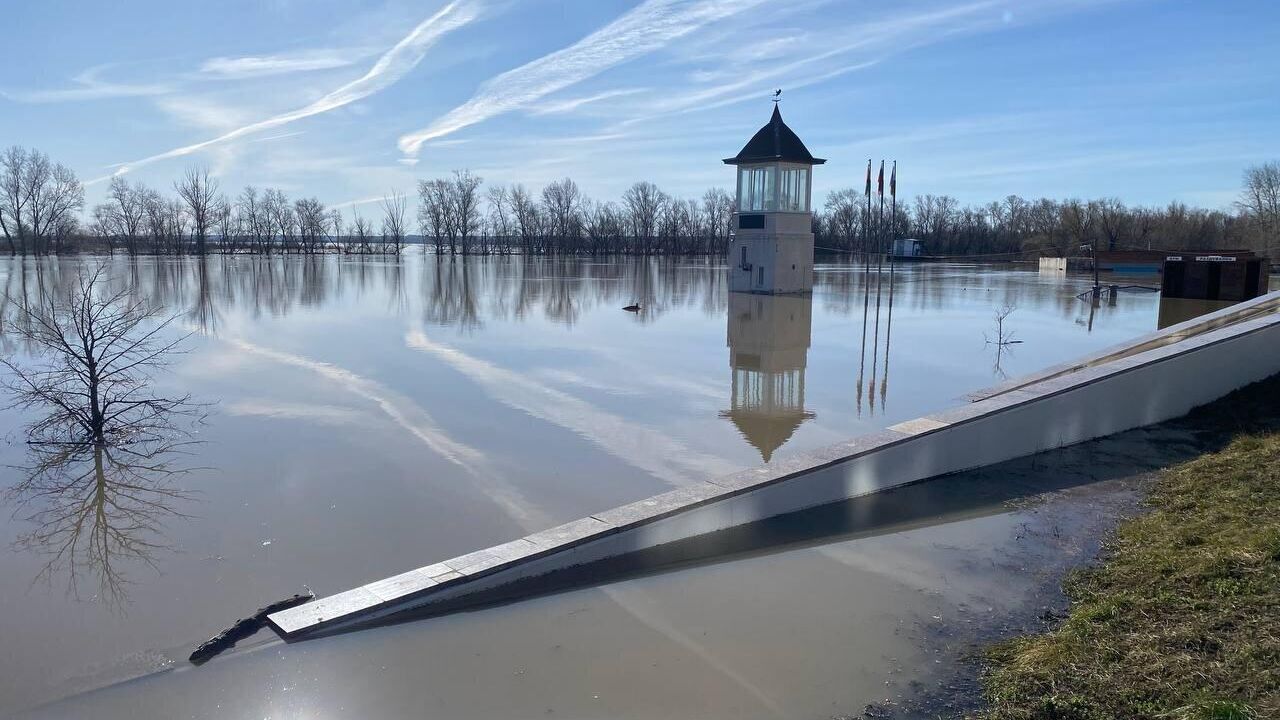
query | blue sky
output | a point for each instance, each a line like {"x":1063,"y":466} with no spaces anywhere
{"x":1145,"y":100}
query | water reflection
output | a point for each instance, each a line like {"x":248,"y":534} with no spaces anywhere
{"x":451,"y":299}
{"x":1176,"y":310}
{"x":101,"y":442}
{"x":769,"y":338}
{"x":468,"y":292}
{"x":98,"y":512}
{"x":884,"y":294}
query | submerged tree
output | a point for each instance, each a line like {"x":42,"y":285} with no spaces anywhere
{"x":98,"y":483}
{"x":100,"y":348}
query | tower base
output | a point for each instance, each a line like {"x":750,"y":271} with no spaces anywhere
{"x":771,"y":264}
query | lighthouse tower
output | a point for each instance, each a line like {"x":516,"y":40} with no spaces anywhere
{"x":772,"y":248}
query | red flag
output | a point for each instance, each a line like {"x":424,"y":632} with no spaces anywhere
{"x":868,"y":177}
{"x":893,"y":180}
{"x":880,"y":180}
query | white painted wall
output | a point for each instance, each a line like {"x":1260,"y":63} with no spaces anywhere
{"x":1146,"y":387}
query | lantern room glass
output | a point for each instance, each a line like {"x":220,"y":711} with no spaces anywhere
{"x":793,"y":190}
{"x":757,"y":188}
{"x":773,"y":188}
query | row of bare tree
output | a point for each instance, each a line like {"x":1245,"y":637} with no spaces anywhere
{"x":138,"y":219}
{"x":455,"y":217}
{"x":40,"y":203}
{"x":1016,"y":226}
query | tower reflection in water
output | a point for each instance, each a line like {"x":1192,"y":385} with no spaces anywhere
{"x":768,"y":337}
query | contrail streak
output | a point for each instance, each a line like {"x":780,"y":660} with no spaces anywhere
{"x":393,"y":65}
{"x":639,"y":32}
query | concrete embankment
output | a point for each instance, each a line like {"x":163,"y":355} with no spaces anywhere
{"x":1151,"y":379}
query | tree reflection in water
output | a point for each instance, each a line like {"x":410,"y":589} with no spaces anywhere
{"x":103,"y":448}
{"x":98,"y":510}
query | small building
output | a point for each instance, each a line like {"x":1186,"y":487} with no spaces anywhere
{"x":1145,"y":261}
{"x":772,"y":248}
{"x":1214,"y":276}
{"x":908,"y":248}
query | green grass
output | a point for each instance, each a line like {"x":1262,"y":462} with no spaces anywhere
{"x":1181,"y":618}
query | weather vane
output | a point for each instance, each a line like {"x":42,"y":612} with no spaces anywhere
{"x":777,"y":95}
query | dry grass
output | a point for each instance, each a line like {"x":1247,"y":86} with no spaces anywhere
{"x":1182,"y":617}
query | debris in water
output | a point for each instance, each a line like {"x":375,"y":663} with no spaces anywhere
{"x":244,"y":628}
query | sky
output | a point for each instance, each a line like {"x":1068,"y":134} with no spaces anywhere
{"x":1145,"y":100}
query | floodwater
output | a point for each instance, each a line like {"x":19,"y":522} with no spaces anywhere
{"x":371,"y":415}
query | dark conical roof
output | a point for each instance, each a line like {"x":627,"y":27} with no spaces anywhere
{"x":774,"y":142}
{"x":766,"y":431}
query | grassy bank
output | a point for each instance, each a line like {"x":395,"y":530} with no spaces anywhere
{"x":1181,"y":618}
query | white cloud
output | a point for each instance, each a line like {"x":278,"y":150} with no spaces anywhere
{"x":203,"y":112}
{"x":89,"y":87}
{"x":564,"y":106}
{"x":280,"y":136}
{"x":307,"y":412}
{"x":643,"y":30}
{"x":820,"y":55}
{"x":418,"y":423}
{"x":284,"y":63}
{"x":356,"y":203}
{"x":389,"y":68}
{"x":637,"y":445}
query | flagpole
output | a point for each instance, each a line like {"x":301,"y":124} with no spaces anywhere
{"x":866,"y":247}
{"x":893,"y":237}
{"x":875,"y":343}
{"x":893,"y":222}
{"x":866,"y":284}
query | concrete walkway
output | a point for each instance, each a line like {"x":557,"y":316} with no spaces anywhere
{"x":1149,"y":380}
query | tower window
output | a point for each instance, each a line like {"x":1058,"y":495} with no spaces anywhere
{"x":757,"y":189}
{"x":793,"y":190}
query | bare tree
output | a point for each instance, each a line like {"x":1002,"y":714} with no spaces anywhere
{"x":280,"y":218}
{"x":395,"y":208}
{"x":38,"y":201}
{"x":499,"y":216}
{"x":359,"y":234}
{"x":434,"y":214}
{"x":1113,"y":220}
{"x":644,"y":203}
{"x":464,"y":203}
{"x":127,"y":206}
{"x":1003,"y":339}
{"x":98,"y":483}
{"x":528,"y":220}
{"x":101,"y":349}
{"x":1261,"y":195}
{"x":336,"y":221}
{"x":562,"y":201}
{"x":1260,"y":203}
{"x":717,"y":210}
{"x":313,"y":221}
{"x":1004,"y":336}
{"x":252,"y":218}
{"x":13,"y":198}
{"x":227,"y":222}
{"x":844,"y":218}
{"x":199,"y":192}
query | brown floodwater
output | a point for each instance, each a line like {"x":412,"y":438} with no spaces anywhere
{"x":373,"y":415}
